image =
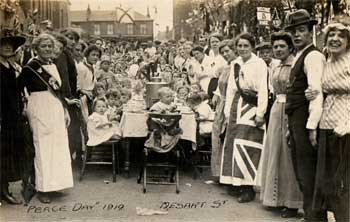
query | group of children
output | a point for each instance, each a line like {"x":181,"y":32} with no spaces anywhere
{"x":114,"y":93}
{"x":185,"y":100}
{"x":110,"y":94}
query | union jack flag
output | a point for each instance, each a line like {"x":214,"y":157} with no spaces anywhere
{"x":243,"y":147}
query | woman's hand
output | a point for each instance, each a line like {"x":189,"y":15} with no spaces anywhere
{"x":66,"y":118}
{"x":87,"y":93}
{"x":71,"y":102}
{"x":313,"y":137}
{"x":311,"y":94}
{"x":259,"y":121}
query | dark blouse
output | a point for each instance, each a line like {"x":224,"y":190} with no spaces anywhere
{"x":62,"y":67}
{"x":33,"y":83}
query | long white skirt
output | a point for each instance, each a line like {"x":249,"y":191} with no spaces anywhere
{"x":53,"y":170}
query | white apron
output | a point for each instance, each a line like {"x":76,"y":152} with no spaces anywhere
{"x":52,"y":162}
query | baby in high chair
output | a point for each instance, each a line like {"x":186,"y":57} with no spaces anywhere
{"x":166,"y":103}
{"x":100,"y":128}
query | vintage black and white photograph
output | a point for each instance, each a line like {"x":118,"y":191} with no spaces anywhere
{"x":175,"y":110}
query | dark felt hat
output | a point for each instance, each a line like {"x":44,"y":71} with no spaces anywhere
{"x":263,"y":45}
{"x":299,"y":17}
{"x":7,"y":35}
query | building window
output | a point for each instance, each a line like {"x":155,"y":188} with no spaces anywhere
{"x":130,"y":29}
{"x":110,"y":29}
{"x":143,"y":29}
{"x":97,"y":29}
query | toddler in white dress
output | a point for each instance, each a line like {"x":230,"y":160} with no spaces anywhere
{"x":100,"y":128}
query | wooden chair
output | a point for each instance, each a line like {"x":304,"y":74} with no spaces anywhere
{"x":201,"y":158}
{"x":99,"y":155}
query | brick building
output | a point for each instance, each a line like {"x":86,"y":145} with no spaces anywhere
{"x":57,"y":11}
{"x":117,"y":23}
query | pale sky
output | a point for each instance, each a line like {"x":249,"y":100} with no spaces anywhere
{"x":164,"y":16}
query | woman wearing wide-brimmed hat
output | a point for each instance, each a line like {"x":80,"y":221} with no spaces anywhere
{"x":333,"y":169}
{"x":11,"y":137}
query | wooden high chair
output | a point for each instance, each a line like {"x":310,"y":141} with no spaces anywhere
{"x":167,"y":125}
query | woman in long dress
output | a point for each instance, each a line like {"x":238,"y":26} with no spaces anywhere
{"x":11,"y":135}
{"x":227,"y":51}
{"x":332,"y":175}
{"x":245,"y":132}
{"x":279,"y":187}
{"x":48,"y":120}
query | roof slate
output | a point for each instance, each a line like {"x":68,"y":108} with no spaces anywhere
{"x":105,"y":15}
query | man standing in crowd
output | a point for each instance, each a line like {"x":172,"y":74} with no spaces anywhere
{"x":304,"y":116}
{"x":265,"y":52}
{"x":202,"y":41}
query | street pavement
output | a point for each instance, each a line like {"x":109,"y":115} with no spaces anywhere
{"x":97,"y":198}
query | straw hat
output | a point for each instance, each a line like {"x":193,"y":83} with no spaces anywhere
{"x":105,"y":58}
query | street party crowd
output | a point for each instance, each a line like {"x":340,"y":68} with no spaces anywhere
{"x":277,"y":112}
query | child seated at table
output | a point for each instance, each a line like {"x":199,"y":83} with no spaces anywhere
{"x":164,"y":106}
{"x":100,"y":128}
{"x":125,"y":95}
{"x":114,"y":106}
{"x":195,"y":88}
{"x":166,"y":103}
{"x":181,"y":95}
{"x":204,"y":114}
{"x":99,"y":91}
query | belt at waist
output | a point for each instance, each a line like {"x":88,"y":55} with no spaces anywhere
{"x":281,"y":98}
{"x":37,"y":90}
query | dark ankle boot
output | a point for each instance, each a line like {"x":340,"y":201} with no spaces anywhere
{"x":289,"y":212}
{"x":247,"y":194}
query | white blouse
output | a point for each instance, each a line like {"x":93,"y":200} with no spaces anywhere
{"x":253,"y":76}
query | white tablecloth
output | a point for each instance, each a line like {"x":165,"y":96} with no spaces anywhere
{"x":134,"y":125}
